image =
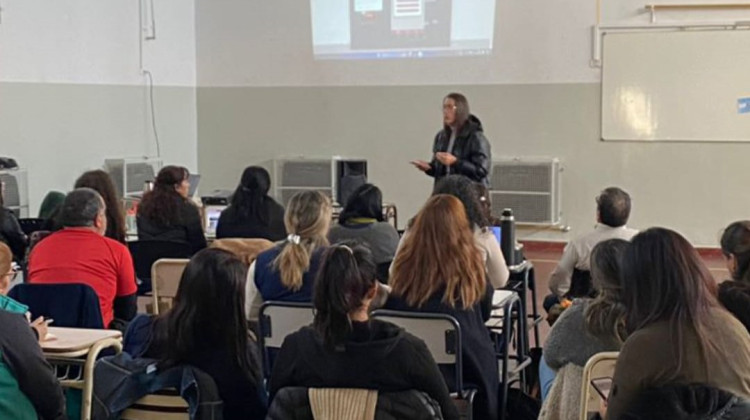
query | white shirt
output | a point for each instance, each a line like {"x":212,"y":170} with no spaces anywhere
{"x":578,"y":252}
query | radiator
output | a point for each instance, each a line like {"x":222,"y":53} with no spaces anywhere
{"x":528,"y":186}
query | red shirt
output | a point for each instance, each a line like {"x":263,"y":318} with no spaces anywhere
{"x":78,"y":255}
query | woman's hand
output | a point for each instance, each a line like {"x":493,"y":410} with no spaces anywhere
{"x":41,"y":326}
{"x":446,"y":158}
{"x":421,"y":165}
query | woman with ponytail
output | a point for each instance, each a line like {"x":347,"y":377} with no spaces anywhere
{"x":252,"y":214}
{"x":344,"y":348}
{"x":734,"y":294}
{"x":286,"y":271}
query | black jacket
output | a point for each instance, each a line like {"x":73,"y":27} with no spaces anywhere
{"x":23,"y":357}
{"x":480,"y":368}
{"x":11,"y":234}
{"x":378,"y":355}
{"x":187,"y":228}
{"x":470,"y":147}
{"x":234,"y":225}
{"x":735,"y":296}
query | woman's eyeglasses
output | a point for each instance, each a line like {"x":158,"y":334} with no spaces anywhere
{"x":13,"y":273}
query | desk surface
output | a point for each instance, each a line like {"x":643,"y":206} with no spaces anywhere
{"x":500,"y":297}
{"x":75,"y":339}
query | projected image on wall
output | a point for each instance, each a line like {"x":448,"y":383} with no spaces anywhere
{"x":381,"y":29}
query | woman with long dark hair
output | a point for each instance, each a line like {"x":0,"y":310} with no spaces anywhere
{"x":362,"y":221}
{"x":439,"y":268}
{"x":252,"y":213}
{"x":166,"y":214}
{"x":734,"y":294}
{"x":345,"y":348}
{"x":587,"y":327}
{"x":287,"y":271}
{"x":678,"y":331}
{"x":11,"y":233}
{"x":206,"y":328}
{"x":101,"y":182}
{"x":460,"y":147}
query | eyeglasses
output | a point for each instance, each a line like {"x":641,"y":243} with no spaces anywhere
{"x":13,"y":274}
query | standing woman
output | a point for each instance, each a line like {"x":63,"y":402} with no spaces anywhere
{"x":252,"y":214}
{"x":460,"y":147}
{"x":166,"y":214}
{"x":101,"y":182}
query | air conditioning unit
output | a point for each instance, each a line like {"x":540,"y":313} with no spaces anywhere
{"x":335,"y":177}
{"x":130,"y":174}
{"x":528,"y":186}
{"x":15,"y":190}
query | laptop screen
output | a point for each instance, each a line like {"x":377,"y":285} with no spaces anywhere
{"x":212,"y":214}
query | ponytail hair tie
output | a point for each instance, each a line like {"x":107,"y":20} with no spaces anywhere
{"x":346,"y":247}
{"x":295,"y":239}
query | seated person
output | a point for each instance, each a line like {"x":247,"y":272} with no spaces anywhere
{"x":461,"y":187}
{"x":79,"y":253}
{"x":687,"y":402}
{"x":439,"y":269}
{"x":344,"y":348}
{"x":11,"y":233}
{"x":734,"y":294}
{"x":206,"y":329}
{"x":49,"y":210}
{"x":287,"y":271}
{"x":678,"y":332}
{"x":612,"y":213}
{"x":253,"y":213}
{"x":587,"y":327}
{"x":362,"y":221}
{"x":101,"y":182}
{"x":166,"y":214}
{"x":28,"y":388}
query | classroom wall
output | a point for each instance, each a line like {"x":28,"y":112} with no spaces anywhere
{"x":72,"y":92}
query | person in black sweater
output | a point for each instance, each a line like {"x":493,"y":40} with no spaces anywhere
{"x":166,"y":214}
{"x":439,"y":269}
{"x":345,"y":349}
{"x":252,"y":214}
{"x":734,"y":294}
{"x":206,"y":329}
{"x":11,"y":233}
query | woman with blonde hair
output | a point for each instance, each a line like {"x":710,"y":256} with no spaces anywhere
{"x":286,"y":271}
{"x":439,"y":269}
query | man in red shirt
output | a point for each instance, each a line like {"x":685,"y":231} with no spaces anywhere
{"x":80,"y":253}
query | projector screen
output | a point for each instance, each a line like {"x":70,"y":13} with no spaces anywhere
{"x":392,"y":29}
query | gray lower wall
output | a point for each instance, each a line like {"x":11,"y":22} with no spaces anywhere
{"x":57,"y":131}
{"x":692,"y":187}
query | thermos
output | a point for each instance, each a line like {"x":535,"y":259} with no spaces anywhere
{"x":508,"y":236}
{"x":148,"y":186}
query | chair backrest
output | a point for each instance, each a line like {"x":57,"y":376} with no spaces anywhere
{"x":145,"y":254}
{"x":165,"y":280}
{"x":73,"y":305}
{"x":31,"y":225}
{"x":440,"y":332}
{"x":160,"y":406}
{"x":600,"y":365}
{"x":276,"y":321}
{"x":245,"y":249}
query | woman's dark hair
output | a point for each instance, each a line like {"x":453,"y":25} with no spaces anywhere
{"x":463,"y":188}
{"x":462,"y":108}
{"x":664,"y":279}
{"x":683,"y":402}
{"x":735,"y":241}
{"x":347,"y":273}
{"x":162,"y":204}
{"x":366,"y":201}
{"x":605,"y":316}
{"x":250,"y":197}
{"x":101,"y":182}
{"x":208,"y":312}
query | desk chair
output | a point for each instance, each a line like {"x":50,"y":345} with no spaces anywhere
{"x":600,"y":365}
{"x":145,"y":254}
{"x":166,"y":405}
{"x":165,"y":280}
{"x":31,"y":225}
{"x":442,"y":335}
{"x":276,"y":321}
{"x":73,"y":305}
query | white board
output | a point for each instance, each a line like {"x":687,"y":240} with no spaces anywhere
{"x":676,"y":86}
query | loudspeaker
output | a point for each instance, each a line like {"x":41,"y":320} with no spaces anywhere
{"x":350,"y":175}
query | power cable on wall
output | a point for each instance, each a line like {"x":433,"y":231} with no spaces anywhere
{"x":153,"y":110}
{"x":148,"y":34}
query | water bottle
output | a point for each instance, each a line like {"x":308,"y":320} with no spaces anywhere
{"x":148,"y":186}
{"x":508,"y":233}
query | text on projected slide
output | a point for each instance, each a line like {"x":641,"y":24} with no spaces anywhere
{"x":383,"y":29}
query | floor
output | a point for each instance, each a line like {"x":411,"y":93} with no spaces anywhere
{"x":545,"y":259}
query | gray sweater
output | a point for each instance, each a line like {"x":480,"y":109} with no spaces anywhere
{"x":381,"y":237}
{"x":570,"y":342}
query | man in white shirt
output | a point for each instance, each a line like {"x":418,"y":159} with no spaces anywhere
{"x":613,"y":211}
